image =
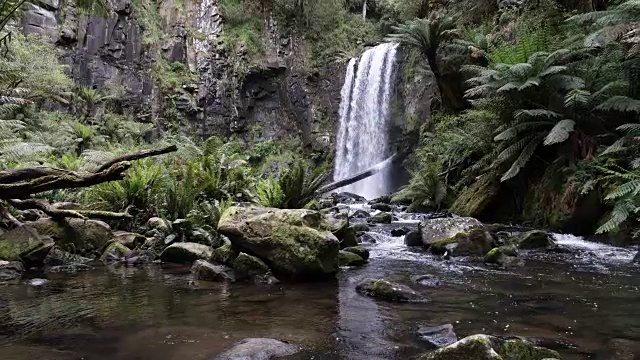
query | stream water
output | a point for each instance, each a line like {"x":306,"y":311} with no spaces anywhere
{"x":582,"y":302}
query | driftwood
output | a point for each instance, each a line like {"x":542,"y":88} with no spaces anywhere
{"x":395,"y":158}
{"x":17,"y":186}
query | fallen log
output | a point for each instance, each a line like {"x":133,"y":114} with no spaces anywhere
{"x":395,"y":158}
{"x":19,"y":185}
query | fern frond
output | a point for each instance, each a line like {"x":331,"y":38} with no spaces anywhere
{"x":560,"y":132}
{"x":620,"y":103}
{"x":630,"y":129}
{"x":536,"y":114}
{"x":615,"y":147}
{"x":631,"y":187}
{"x":522,"y":160}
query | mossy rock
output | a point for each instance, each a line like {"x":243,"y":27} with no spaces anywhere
{"x":340,"y":229}
{"x":129,"y":239}
{"x":485,"y":347}
{"x":185,"y":253}
{"x":295,"y":244}
{"x":346,"y":258}
{"x":226,"y":253}
{"x":381,"y":218}
{"x":386,"y":290}
{"x":443,"y":229}
{"x":204,"y":270}
{"x":477,"y":243}
{"x":358,"y":250}
{"x":246,"y":266}
{"x":115,"y":252}
{"x":78,"y":236}
{"x":59,"y":257}
{"x":535,"y":239}
{"x":24,"y":244}
{"x":441,"y":246}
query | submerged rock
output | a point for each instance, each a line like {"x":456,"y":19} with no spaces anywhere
{"x":297,"y":244}
{"x":535,"y":239}
{"x":25,"y":244}
{"x":10,"y":270}
{"x":386,"y":290}
{"x":485,"y":347}
{"x":185,"y":253}
{"x":204,"y":270}
{"x":438,"y":336}
{"x":413,"y":238}
{"x":359,"y":250}
{"x":426,"y":280}
{"x":436,"y":230}
{"x":346,"y":258}
{"x":258,"y":349}
{"x":246,"y":267}
{"x":381,"y":218}
{"x":79,"y":236}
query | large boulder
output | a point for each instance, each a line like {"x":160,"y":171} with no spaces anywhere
{"x":24,"y":244}
{"x":346,"y":258}
{"x":476,"y":242}
{"x":204,"y":270}
{"x":258,"y":349}
{"x":535,"y":239}
{"x":485,"y":347}
{"x":386,"y":290}
{"x":434,"y":230}
{"x":185,"y":253}
{"x":295,"y":244}
{"x":84,"y":237}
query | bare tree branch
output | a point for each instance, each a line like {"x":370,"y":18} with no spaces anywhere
{"x":61,"y":213}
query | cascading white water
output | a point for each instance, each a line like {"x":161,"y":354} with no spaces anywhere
{"x":364,"y":120}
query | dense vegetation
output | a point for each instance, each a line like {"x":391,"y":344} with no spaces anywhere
{"x":538,"y":112}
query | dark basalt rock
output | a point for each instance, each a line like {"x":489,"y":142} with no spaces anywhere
{"x":413,"y":238}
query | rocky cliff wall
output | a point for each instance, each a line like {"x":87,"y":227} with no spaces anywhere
{"x":137,"y":46}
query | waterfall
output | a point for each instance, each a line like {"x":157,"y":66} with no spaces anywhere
{"x":362,"y":140}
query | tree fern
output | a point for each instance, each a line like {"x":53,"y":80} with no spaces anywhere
{"x":620,"y":103}
{"x":523,"y":158}
{"x":560,"y":132}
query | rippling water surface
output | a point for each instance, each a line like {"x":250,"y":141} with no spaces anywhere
{"x":583,"y":302}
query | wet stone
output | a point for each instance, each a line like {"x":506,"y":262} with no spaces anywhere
{"x":258,"y":349}
{"x":437,"y":336}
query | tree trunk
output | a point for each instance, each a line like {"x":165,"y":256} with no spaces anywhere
{"x":364,"y":10}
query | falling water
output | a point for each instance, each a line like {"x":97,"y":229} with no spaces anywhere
{"x":364,"y":120}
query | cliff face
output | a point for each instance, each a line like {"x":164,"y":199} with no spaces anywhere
{"x":171,"y":66}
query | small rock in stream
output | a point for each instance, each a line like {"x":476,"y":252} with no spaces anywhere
{"x":381,"y":218}
{"x":37,"y":282}
{"x":204,"y":270}
{"x":381,"y":207}
{"x":258,"y":349}
{"x":399,"y":232}
{"x":346,"y":258}
{"x":386,"y":290}
{"x":438,"y":336}
{"x":426,"y":280}
{"x":366,"y":238}
{"x":358,"y":250}
{"x":360,"y":227}
{"x":360,"y":214}
{"x":413,"y":238}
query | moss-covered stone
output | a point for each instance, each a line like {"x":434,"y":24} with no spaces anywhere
{"x":358,"y":250}
{"x":246,"y":266}
{"x":226,"y":253}
{"x":77,"y":236}
{"x":340,"y":229}
{"x":386,"y":290}
{"x":296,"y":244}
{"x":59,"y":257}
{"x":114,"y":252}
{"x":18,"y":243}
{"x":346,"y":258}
{"x":505,"y":255}
{"x":535,"y":239}
{"x":185,"y":253}
{"x":485,"y":347}
{"x":381,"y":218}
{"x":476,"y":242}
{"x":442,"y":229}
{"x":440,"y":247}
